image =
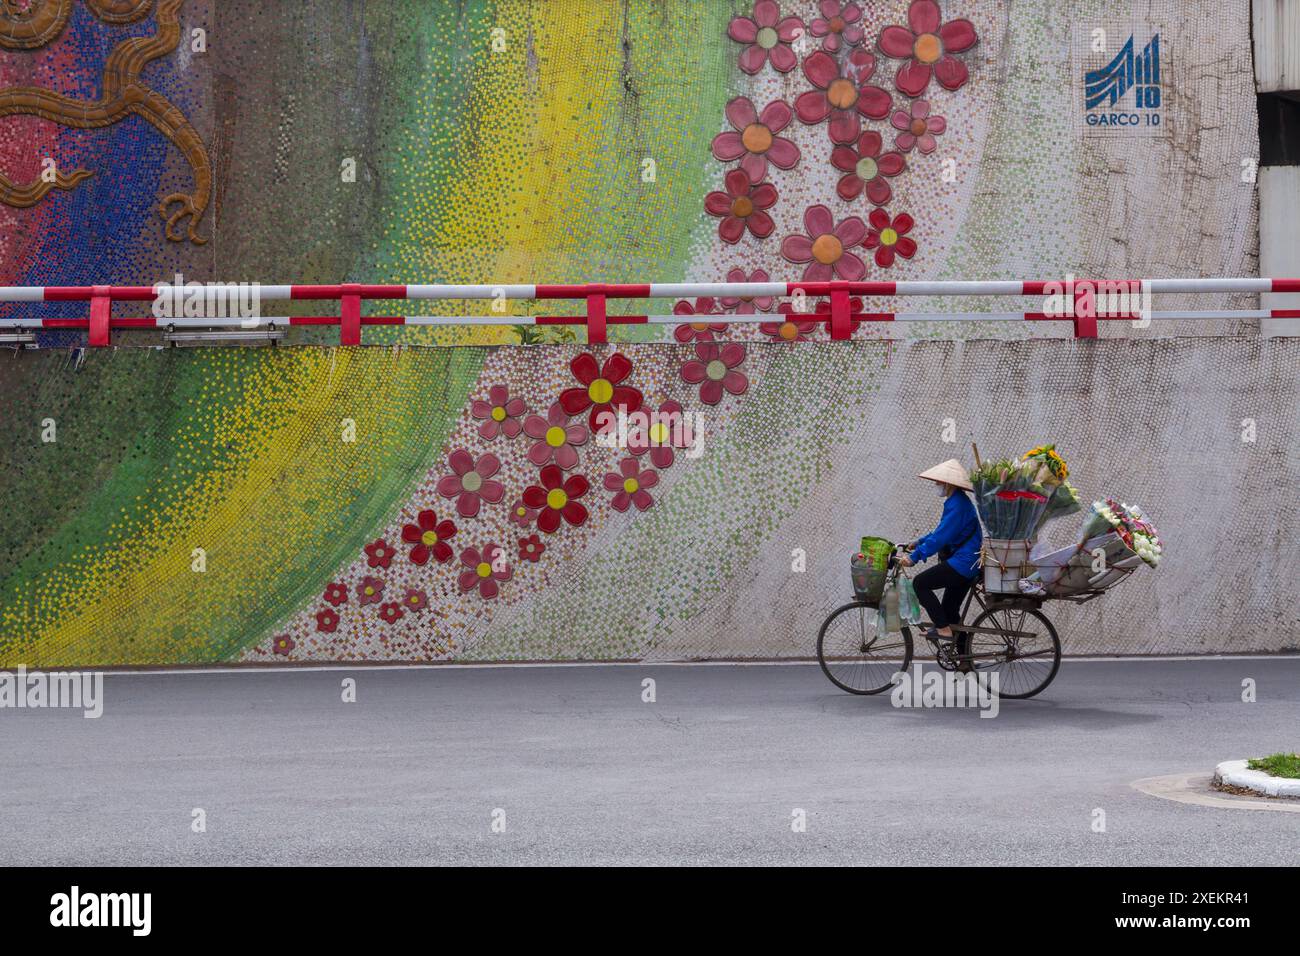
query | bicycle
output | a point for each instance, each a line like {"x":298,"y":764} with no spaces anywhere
{"x":1011,"y":637}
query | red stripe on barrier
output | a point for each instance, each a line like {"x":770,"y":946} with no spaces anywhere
{"x":1286,"y":285}
{"x":1285,"y":314}
{"x":65,"y":323}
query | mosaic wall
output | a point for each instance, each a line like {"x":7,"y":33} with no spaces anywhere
{"x":413,"y":503}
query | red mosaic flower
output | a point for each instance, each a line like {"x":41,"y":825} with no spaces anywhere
{"x":826,"y":246}
{"x":379,"y":554}
{"x":283,"y":644}
{"x":716,"y":370}
{"x":336,"y":594}
{"x":754,"y":141}
{"x":601,"y":391}
{"x":697,"y":331}
{"x":747,"y":304}
{"x":743,"y":206}
{"x":865,"y":168}
{"x":556,"y":498}
{"x":928,"y":44}
{"x":326,"y":621}
{"x":630,"y":484}
{"x":531,"y":548}
{"x":429,"y":537}
{"x":556,"y":437}
{"x":840,"y":98}
{"x":391,"y":612}
{"x":415,"y":600}
{"x":370,"y":590}
{"x":790,"y":330}
{"x":484,"y":570}
{"x":666,"y":429}
{"x":888,"y":237}
{"x":522,"y":515}
{"x":766,"y":37}
{"x":471,"y":481}
{"x":837,"y":25}
{"x":918,"y":127}
{"x":500,"y":413}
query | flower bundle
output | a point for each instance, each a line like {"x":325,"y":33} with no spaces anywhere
{"x":1010,"y":500}
{"x":1051,"y":475}
{"x":1127,"y":521}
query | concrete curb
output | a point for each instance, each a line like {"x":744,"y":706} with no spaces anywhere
{"x":1235,"y":773}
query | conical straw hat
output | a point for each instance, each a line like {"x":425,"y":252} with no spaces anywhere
{"x":951,"y":472}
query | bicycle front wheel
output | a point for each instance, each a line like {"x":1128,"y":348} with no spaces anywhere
{"x":855,"y":656}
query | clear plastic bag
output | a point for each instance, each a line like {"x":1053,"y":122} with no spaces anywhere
{"x":909,"y":608}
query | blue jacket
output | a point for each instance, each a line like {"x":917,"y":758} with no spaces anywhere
{"x":958,"y":521}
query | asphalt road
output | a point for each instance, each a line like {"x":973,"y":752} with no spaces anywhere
{"x":582,"y":771}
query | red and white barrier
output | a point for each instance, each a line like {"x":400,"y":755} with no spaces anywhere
{"x":840,"y":318}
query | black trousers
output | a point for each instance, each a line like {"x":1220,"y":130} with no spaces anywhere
{"x":943,"y":578}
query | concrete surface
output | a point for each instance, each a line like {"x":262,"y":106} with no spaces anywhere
{"x":1237,"y":773}
{"x":585,"y":772}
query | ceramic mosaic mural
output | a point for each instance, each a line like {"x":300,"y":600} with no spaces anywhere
{"x":448,"y":495}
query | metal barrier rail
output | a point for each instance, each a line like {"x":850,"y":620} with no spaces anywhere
{"x":841,"y":318}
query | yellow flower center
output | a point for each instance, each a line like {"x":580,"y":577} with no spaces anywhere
{"x":827,"y":249}
{"x":556,"y":498}
{"x":414,"y":599}
{"x":369,"y":590}
{"x":928,"y":49}
{"x":600,"y":391}
{"x":757,"y":138}
{"x":484,"y":570}
{"x":498,"y":414}
{"x":888,"y":237}
{"x":659,"y":433}
{"x":429,"y":538}
{"x":630,"y":485}
{"x":555,"y":436}
{"x":521,"y":511}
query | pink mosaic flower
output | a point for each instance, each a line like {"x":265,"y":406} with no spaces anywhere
{"x":370,"y":590}
{"x":336,"y":594}
{"x":789,"y":330}
{"x":826,"y":246}
{"x":697,"y":331}
{"x":391,"y":612}
{"x":379,"y":554}
{"x":556,"y":438}
{"x":747,"y":304}
{"x":918,"y":127}
{"x":665,"y":429}
{"x":500,"y":413}
{"x":743,"y":206}
{"x":838,"y":25}
{"x":630,"y":484}
{"x":415,"y":600}
{"x":283,"y":644}
{"x":471,"y":481}
{"x":754,"y":141}
{"x":840,"y":98}
{"x":889,"y":237}
{"x":864,"y":167}
{"x":928,"y":45}
{"x":766,"y":37}
{"x":429,"y":537}
{"x":522,"y":515}
{"x":716,"y":370}
{"x":483,"y":570}
{"x":327,"y":621}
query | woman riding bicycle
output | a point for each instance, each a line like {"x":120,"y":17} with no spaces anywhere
{"x":956,"y":540}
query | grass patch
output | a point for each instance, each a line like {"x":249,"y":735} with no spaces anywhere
{"x":1279,"y":765}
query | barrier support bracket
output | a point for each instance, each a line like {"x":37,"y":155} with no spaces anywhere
{"x":841,"y":326}
{"x":101,"y":312}
{"x":350,"y":314}
{"x":596,"y":317}
{"x":1085,"y":326}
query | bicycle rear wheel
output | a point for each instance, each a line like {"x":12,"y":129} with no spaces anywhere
{"x":854,"y":656}
{"x":1026,"y":663}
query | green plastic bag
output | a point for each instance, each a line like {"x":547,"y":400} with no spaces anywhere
{"x":877,"y":551}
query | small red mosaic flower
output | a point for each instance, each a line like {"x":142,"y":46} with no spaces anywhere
{"x":790,"y":330}
{"x":767,"y":37}
{"x":665,"y":429}
{"x":415,"y":600}
{"x":826,"y":246}
{"x":379,"y":554}
{"x":326,"y":621}
{"x":631,"y":484}
{"x":747,"y":304}
{"x":601,"y":391}
{"x":889,"y":237}
{"x":522,"y":515}
{"x":865,"y":167}
{"x":429,"y":537}
{"x":919,"y":127}
{"x":500,"y":413}
{"x":716,"y":370}
{"x":370,"y":590}
{"x":391,"y":612}
{"x":838,"y":25}
{"x":336,"y":594}
{"x":697,"y":331}
{"x":531,"y":548}
{"x":483,"y":570}
{"x":927,"y":43}
{"x":471,"y":481}
{"x":557,"y":438}
{"x":556,"y":498}
{"x":753,"y":139}
{"x":283,"y":644}
{"x":840,"y":98}
{"x":743,"y":206}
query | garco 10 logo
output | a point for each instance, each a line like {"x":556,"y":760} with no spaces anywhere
{"x":1125,"y":93}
